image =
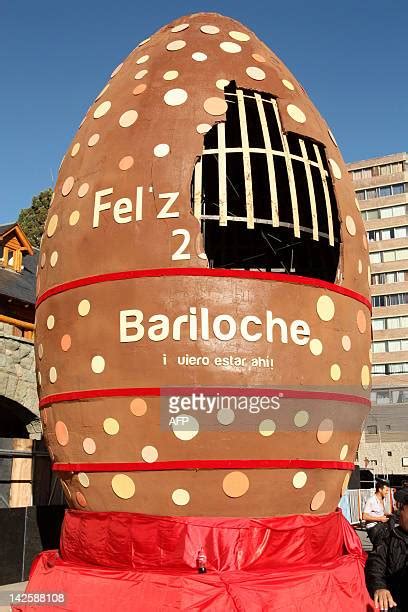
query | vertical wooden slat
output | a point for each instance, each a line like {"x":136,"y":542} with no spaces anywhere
{"x":249,"y":196}
{"x":289,"y":168}
{"x":312,"y":196}
{"x":222,"y":174}
{"x":197,"y":188}
{"x":269,"y":161}
{"x":326,"y":194}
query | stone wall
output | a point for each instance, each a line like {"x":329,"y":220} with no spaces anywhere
{"x":17,"y":376}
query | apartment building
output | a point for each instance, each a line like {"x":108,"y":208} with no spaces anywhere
{"x":381,"y":186}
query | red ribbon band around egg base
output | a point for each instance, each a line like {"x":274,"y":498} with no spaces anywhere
{"x":204,"y":464}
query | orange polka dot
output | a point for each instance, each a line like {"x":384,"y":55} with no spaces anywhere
{"x":215,"y":106}
{"x":61,"y":433}
{"x":361,"y":322}
{"x":139,"y":89}
{"x":126,"y":162}
{"x":138,"y":406}
{"x":66,"y":342}
{"x":235,"y":484}
{"x":80,"y":499}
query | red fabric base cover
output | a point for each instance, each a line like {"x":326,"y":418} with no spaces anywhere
{"x":127,"y":562}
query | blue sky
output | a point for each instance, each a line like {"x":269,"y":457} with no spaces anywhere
{"x":351,"y":56}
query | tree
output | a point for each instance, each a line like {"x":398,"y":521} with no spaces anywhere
{"x":32,"y":219}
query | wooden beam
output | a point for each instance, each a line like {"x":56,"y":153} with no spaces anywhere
{"x":17,"y":322}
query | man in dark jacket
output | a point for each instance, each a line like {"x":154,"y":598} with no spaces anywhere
{"x":387,"y":567}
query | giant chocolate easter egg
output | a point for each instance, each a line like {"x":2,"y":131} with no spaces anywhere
{"x":203,"y":320}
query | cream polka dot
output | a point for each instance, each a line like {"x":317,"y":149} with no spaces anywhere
{"x":141,"y":74}
{"x":301,"y":418}
{"x":53,"y":259}
{"x":84,"y":307}
{"x":93,"y":140}
{"x":221,"y":84}
{"x":53,"y":375}
{"x":203,"y":128}
{"x":357,"y":204}
{"x":97,"y":364}
{"x":360,"y":266}
{"x":83,"y":479}
{"x":325,"y":308}
{"x":180,"y":28}
{"x":365,"y":243}
{"x":51,"y":201}
{"x":149,"y":454}
{"x":117,"y":69}
{"x":345,"y":484}
{"x":316,"y":347}
{"x":126,"y":162}
{"x":199,"y":57}
{"x":43,"y":259}
{"x":67,"y":186}
{"x":365,"y":377}
{"x":176,"y":45}
{"x":40,"y":351}
{"x":267,"y":427}
{"x":74,"y":217}
{"x":83,"y":190}
{"x":61,"y":433}
{"x":128,"y":118}
{"x":346,"y":343}
{"x":258,"y":58}
{"x":123,"y":486}
{"x":102,"y":109}
{"x":39,"y":378}
{"x":335,"y":372}
{"x":209,"y":29}
{"x":235,"y":484}
{"x":350,"y":225}
{"x":332,"y":137}
{"x":66,"y":490}
{"x":344,"y":451}
{"x":50,"y":321}
{"x":170,"y":75}
{"x":89,"y":446}
{"x":241,"y":36}
{"x":111,"y":426}
{"x":230,"y":47}
{"x":299,"y":480}
{"x":318,"y":500}
{"x":336,"y":170}
{"x":361,"y":322}
{"x":188,"y":430}
{"x":139,"y":89}
{"x":143,"y":59}
{"x":75,"y":149}
{"x":144,"y":41}
{"x":138,"y":407}
{"x":295,"y":113}
{"x":255,"y":73}
{"x":161,"y":150}
{"x":288,"y":84}
{"x":226,"y":416}
{"x":180,"y":497}
{"x":215,"y":106}
{"x":100,"y":94}
{"x":325,"y":431}
{"x":175,"y":97}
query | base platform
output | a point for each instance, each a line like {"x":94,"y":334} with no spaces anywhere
{"x":128,"y":562}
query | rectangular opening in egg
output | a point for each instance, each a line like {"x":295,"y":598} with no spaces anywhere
{"x":264,"y":197}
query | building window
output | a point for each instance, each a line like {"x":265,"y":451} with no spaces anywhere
{"x":391,"y":255}
{"x":371,"y":429}
{"x":404,"y":461}
{"x":389,"y":453}
{"x":389,"y":277}
{"x":389,"y":368}
{"x":389,"y":396}
{"x":392,"y":299}
{"x":390,"y":323}
{"x":388,"y":233}
{"x":381,"y":192}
